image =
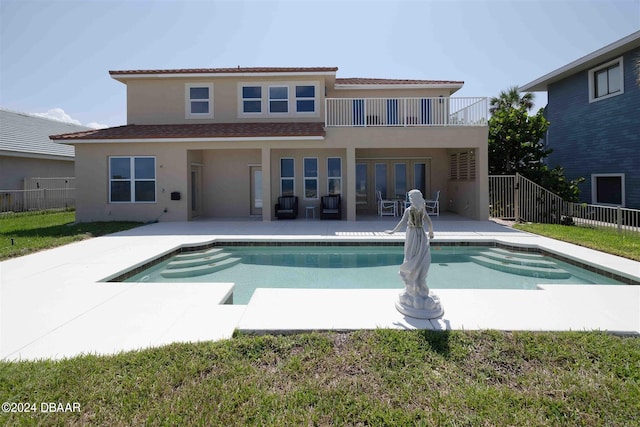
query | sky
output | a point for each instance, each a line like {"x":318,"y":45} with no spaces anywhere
{"x":55,"y":55}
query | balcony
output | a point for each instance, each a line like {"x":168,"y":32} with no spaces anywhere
{"x":406,"y":112}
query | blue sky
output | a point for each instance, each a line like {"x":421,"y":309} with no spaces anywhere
{"x":55,"y":55}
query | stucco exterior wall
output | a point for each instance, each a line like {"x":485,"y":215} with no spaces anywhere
{"x":162,"y":101}
{"x":92,"y":183}
{"x":225,"y":185}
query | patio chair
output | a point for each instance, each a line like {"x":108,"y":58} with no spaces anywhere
{"x":406,"y":202}
{"x":287,"y":207}
{"x":385,"y":207}
{"x":331,"y":207}
{"x":433,"y":206}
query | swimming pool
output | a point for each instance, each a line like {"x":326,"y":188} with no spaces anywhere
{"x":362,"y":267}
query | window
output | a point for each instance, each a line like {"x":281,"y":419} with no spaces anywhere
{"x":334,"y":175}
{"x":132,"y":179}
{"x":278,"y":99}
{"x":400,"y":180}
{"x":305,"y":99}
{"x":606,"y":80}
{"x":362,"y":190}
{"x":310,"y":178}
{"x":287,"y":177}
{"x":199,"y":101}
{"x":252,"y":99}
{"x":381,"y":179}
{"x":607,"y":189}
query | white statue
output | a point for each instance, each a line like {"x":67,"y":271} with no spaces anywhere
{"x":416,"y":301}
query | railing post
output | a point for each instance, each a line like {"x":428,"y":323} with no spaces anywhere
{"x":619,"y":214}
{"x":516,"y":198}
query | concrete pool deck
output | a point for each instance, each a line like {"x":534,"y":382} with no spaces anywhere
{"x":54,"y":303}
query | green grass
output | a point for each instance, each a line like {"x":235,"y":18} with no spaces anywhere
{"x":380,"y":377}
{"x":605,"y":240}
{"x":24,"y":234}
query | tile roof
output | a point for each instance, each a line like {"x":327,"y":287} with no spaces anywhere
{"x":200,"y":130}
{"x":372,"y":81}
{"x":29,"y":135}
{"x":238,"y":70}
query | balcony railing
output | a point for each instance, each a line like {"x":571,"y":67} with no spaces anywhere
{"x":404,"y":112}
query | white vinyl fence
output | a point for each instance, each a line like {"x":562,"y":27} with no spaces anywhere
{"x":517,"y":198}
{"x":40,"y":194}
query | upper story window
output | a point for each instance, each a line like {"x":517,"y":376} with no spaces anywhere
{"x":306,"y":99}
{"x":606,"y":80}
{"x":252,"y":99}
{"x":270,"y":99}
{"x":278,"y":99}
{"x":199,"y":101}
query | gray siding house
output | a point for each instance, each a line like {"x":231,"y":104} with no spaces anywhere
{"x":594,"y":110}
{"x":26,"y":150}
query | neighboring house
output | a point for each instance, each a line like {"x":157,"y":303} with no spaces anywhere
{"x":594,"y":111}
{"x":227,"y":142}
{"x":26,"y":150}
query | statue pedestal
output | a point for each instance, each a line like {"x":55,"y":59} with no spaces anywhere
{"x":420,"y":307}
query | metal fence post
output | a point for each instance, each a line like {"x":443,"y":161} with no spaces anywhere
{"x":619,"y":214}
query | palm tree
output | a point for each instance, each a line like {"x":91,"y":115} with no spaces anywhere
{"x":511,"y":99}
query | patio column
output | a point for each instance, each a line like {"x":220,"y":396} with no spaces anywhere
{"x":351,"y":184}
{"x":266,"y":184}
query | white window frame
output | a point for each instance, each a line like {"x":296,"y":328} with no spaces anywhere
{"x":292,"y":99}
{"x":594,"y":188}
{"x":187,"y":100}
{"x":288,"y":178}
{"x":592,"y":80}
{"x":338,"y":178}
{"x":287,"y":100}
{"x":132,"y":180}
{"x":310,"y":178}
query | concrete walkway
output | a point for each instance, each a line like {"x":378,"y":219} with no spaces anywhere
{"x":55,"y":303}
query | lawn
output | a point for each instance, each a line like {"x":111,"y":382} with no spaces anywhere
{"x":602,"y":239}
{"x":27,"y":233}
{"x":381,"y":377}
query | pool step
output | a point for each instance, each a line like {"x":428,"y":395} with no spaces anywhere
{"x":198,"y":254}
{"x":527,"y":255}
{"x":205,"y":258}
{"x":511,"y":258}
{"x":522,"y":270}
{"x":201,"y":270}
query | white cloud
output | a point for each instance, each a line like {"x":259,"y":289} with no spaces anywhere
{"x":95,"y":125}
{"x":61,"y":116}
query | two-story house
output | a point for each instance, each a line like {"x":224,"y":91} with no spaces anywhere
{"x":227,"y":142}
{"x":594,"y":110}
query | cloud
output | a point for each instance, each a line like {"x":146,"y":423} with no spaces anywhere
{"x":59,"y":115}
{"x":95,"y":125}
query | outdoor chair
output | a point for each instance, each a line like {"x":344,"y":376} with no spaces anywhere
{"x":287,"y":207}
{"x":433,"y":206}
{"x":385,"y":207}
{"x":331,"y":207}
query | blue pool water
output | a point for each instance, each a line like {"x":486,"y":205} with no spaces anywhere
{"x":364,"y":267}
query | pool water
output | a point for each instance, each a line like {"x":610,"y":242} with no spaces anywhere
{"x":363,"y":267}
